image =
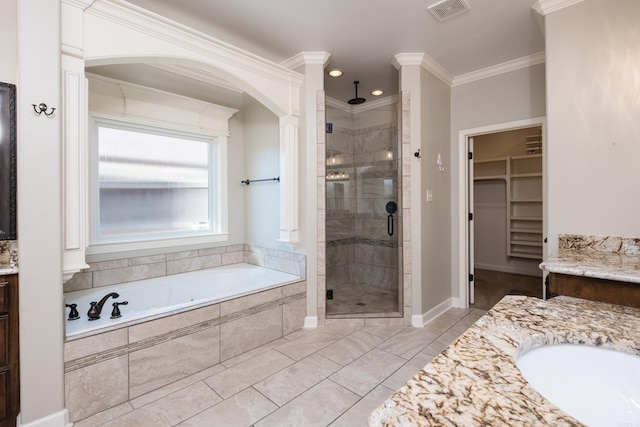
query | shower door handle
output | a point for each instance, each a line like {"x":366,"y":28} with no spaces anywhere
{"x":391,"y":208}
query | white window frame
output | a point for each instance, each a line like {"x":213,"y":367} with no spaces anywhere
{"x":218,"y":185}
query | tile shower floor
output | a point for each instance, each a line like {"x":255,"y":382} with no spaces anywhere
{"x":334,"y":375}
{"x":360,"y":298}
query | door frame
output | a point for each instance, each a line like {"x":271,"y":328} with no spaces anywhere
{"x":464,"y":204}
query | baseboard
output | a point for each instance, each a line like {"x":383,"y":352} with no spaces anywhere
{"x":457,"y":303}
{"x":536,"y":272}
{"x":419,"y":321}
{"x":311,"y":322}
{"x":59,"y":419}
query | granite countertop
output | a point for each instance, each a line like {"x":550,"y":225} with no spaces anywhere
{"x":8,"y":270}
{"x":476,"y":382}
{"x":623,"y":267}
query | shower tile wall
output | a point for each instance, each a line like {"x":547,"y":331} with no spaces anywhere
{"x":362,"y":177}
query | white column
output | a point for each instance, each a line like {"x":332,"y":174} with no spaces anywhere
{"x":409,"y":65}
{"x":39,"y":216}
{"x":74,"y":161}
{"x":289,"y":230}
{"x":73,"y":111}
{"x":314,"y":197}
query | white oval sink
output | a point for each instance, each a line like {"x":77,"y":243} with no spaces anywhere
{"x":596,"y":386}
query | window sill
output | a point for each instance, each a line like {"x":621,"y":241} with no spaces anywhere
{"x":102,"y":252}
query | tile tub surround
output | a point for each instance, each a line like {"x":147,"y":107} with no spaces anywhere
{"x":608,"y":258}
{"x":109,"y":369}
{"x":475,"y":381}
{"x":125,"y":270}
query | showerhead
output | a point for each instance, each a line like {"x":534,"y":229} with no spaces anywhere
{"x":356,"y":100}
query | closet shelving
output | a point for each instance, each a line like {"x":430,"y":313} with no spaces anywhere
{"x":523,"y":177}
{"x":490,"y":169}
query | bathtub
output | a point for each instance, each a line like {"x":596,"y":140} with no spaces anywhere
{"x":162,"y":296}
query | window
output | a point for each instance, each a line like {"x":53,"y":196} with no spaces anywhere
{"x":150,"y":183}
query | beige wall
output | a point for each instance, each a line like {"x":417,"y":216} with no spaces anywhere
{"x":261,"y":160}
{"x":593,"y":103}
{"x":8,"y":42}
{"x":435,"y":260}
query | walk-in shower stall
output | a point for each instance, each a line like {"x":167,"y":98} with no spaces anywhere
{"x":363,"y":223}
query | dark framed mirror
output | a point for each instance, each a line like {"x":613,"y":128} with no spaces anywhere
{"x":8,"y":184}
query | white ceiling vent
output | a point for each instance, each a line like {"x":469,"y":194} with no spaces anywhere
{"x":446,"y":9}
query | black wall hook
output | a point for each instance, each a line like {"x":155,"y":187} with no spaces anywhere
{"x":42,"y":108}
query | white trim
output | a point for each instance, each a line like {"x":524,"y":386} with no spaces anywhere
{"x":275,"y":86}
{"x":304,"y":58}
{"x":74,"y":166}
{"x":426,"y":62}
{"x":463,"y":180}
{"x":420,"y":321}
{"x":505,"y":67}
{"x":437,"y":70}
{"x":544,"y":7}
{"x":371,"y":105}
{"x":196,"y":74}
{"x":218,"y":204}
{"x":407,"y":59}
{"x":161,"y":28}
{"x":289,"y":159}
{"x":59,"y":419}
{"x":149,"y":106}
{"x":311,"y":322}
{"x":441,"y":73}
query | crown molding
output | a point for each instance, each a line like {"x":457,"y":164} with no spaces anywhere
{"x":407,"y":59}
{"x":369,"y":105}
{"x":544,"y":7}
{"x":303,"y":58}
{"x":196,"y":74}
{"x":426,"y":62}
{"x":505,"y":67}
{"x":82,"y":4}
{"x":128,"y":92}
{"x":437,"y":70}
{"x":161,"y":28}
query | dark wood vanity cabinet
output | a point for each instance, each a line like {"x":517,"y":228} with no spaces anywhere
{"x":611,"y":291}
{"x":9,"y":351}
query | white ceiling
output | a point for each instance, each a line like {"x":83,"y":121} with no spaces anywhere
{"x":363,"y":36}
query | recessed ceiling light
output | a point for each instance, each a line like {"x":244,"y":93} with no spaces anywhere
{"x":376,"y":92}
{"x":335,"y":73}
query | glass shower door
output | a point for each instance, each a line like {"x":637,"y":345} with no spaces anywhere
{"x":363,"y":227}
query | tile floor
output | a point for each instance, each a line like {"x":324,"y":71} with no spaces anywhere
{"x":330,"y":376}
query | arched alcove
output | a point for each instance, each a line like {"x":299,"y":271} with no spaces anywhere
{"x":136,"y":36}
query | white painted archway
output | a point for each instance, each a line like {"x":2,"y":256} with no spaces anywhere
{"x":101,"y":32}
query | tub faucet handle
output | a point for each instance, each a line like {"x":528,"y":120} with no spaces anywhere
{"x":73,"y":313}
{"x":116,"y":310}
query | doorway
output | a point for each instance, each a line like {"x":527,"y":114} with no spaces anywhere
{"x":504,"y":211}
